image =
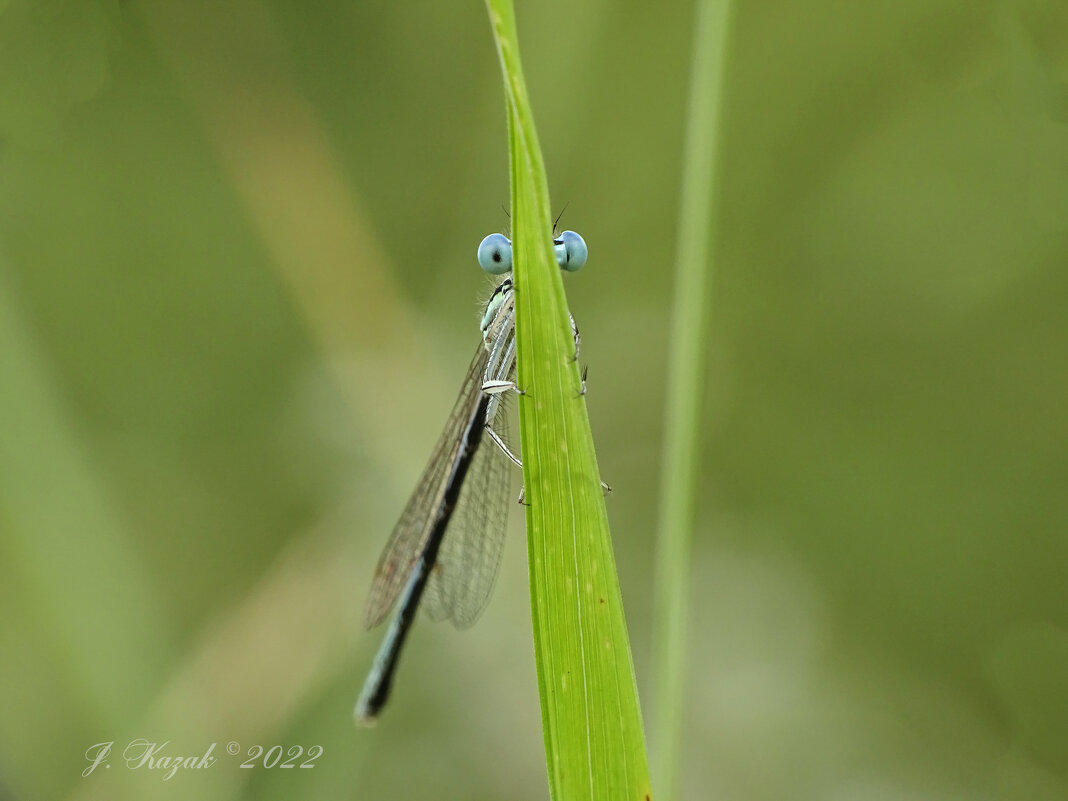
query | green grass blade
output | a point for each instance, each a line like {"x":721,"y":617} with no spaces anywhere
{"x":686,"y":376}
{"x":594,"y":743}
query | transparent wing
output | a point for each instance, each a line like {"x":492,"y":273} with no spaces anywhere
{"x":410,"y":534}
{"x":462,"y":580}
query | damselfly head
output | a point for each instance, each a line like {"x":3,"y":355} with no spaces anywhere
{"x":495,"y":253}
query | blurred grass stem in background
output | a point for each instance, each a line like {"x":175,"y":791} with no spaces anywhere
{"x":695,"y":254}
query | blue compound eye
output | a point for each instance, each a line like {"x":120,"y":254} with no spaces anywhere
{"x":495,"y":254}
{"x":571,"y":251}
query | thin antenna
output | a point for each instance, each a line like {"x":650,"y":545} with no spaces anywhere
{"x":556,"y":222}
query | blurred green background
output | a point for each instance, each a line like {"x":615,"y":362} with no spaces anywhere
{"x":238,"y":293}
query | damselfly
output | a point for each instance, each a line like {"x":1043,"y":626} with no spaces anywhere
{"x":446,"y":547}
